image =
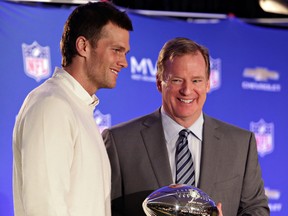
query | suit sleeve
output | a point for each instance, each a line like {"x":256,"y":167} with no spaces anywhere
{"x":253,"y":199}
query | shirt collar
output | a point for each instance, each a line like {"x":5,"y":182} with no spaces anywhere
{"x":172,"y":128}
{"x":76,"y":87}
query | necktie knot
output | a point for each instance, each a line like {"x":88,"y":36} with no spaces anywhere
{"x":184,"y":133}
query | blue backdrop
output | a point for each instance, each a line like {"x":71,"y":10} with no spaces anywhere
{"x":249,"y":81}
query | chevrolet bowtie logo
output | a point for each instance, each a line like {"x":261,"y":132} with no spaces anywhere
{"x":260,"y":74}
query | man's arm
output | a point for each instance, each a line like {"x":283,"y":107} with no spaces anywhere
{"x":46,"y":154}
{"x":253,"y":199}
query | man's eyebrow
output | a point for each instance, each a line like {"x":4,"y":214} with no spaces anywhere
{"x":121,"y":48}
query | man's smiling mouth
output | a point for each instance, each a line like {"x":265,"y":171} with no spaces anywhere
{"x":186,"y":101}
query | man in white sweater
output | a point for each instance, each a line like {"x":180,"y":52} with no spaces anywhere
{"x":61,"y":167}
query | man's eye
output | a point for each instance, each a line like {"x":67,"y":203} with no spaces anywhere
{"x":120,"y":51}
{"x":176,"y":81}
{"x":197,"y":81}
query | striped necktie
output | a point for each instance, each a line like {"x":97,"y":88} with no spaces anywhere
{"x":185,"y":173}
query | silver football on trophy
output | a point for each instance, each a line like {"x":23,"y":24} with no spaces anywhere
{"x":180,"y":200}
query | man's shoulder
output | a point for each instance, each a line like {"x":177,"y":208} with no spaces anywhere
{"x":222,"y":125}
{"x":46,"y":97}
{"x":140,"y":121}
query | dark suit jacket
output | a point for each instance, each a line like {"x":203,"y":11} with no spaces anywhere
{"x":229,"y":173}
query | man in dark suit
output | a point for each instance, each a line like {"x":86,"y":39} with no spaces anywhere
{"x":142,"y":151}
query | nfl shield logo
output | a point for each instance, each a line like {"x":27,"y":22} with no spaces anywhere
{"x":36,"y":61}
{"x":264,"y":133}
{"x":215,"y":75}
{"x":103,"y":121}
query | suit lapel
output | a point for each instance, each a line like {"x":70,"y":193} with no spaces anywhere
{"x":211,"y":149}
{"x":154,"y":141}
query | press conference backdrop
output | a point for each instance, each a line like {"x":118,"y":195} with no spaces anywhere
{"x":249,"y":81}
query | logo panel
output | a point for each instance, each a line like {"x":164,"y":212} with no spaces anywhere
{"x":264,"y":79}
{"x":36,"y":61}
{"x":264,"y":133}
{"x":103,"y":121}
{"x":215,"y":74}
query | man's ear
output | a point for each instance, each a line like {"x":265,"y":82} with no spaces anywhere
{"x":159,"y":83}
{"x":81,"y":45}
{"x":208,"y":86}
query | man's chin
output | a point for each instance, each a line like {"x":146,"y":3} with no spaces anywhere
{"x":110,"y":86}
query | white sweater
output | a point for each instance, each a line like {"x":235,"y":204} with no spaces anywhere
{"x":61,"y":167}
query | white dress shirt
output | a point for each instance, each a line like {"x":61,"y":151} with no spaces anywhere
{"x":171,"y":132}
{"x":60,"y":163}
